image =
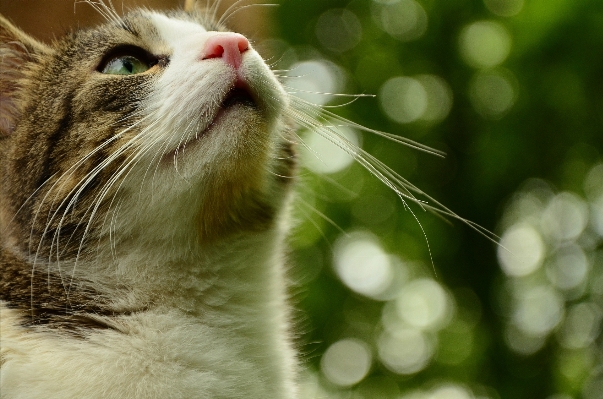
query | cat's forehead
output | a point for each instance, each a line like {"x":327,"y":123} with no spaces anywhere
{"x":156,"y":32}
{"x":172,"y":30}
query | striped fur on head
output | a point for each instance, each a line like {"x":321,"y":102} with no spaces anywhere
{"x":94,"y":165}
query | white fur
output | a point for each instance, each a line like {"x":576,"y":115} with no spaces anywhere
{"x":210,"y":320}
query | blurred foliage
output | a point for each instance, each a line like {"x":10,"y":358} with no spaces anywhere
{"x":527,"y":102}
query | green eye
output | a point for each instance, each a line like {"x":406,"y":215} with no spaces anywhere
{"x":128,"y":60}
{"x":125,"y":65}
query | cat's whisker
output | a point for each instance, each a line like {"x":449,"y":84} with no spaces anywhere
{"x":158,"y":154}
{"x":117,"y":176}
{"x":139,"y":154}
{"x":407,"y":207}
{"x":296,"y":90}
{"x":304,"y":106}
{"x":341,"y":105}
{"x":112,"y":220}
{"x":276,"y":62}
{"x":133,"y":142}
{"x":106,"y":11}
{"x":336,"y":184}
{"x":75,"y":192}
{"x":280,"y":176}
{"x":347,"y":146}
{"x":228,"y":10}
{"x":315,"y":224}
{"x":385,"y":174}
{"x":323,"y":216}
{"x":183,"y":138}
{"x":73,"y":202}
{"x":355,"y":152}
{"x":79,"y":163}
{"x":62,"y":180}
{"x":27,"y":201}
{"x":237,"y":10}
{"x":213,"y":10}
{"x":67,"y":173}
{"x":285,"y":158}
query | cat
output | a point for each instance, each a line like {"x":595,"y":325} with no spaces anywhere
{"x":147,"y":169}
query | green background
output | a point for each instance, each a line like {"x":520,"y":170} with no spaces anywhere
{"x":553,"y":132}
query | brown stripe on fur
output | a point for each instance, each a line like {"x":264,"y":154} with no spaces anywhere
{"x":42,"y":298}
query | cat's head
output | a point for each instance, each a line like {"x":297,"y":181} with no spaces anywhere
{"x":150,"y":127}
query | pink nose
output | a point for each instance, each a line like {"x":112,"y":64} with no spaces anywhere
{"x":228,"y":46}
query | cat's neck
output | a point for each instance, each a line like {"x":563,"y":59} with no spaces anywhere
{"x":244,"y":271}
{"x":228,"y":298}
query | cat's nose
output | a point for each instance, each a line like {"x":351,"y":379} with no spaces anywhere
{"x":228,"y":46}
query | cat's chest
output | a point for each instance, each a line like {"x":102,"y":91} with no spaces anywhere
{"x":158,"y":354}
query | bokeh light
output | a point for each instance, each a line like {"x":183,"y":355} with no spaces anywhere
{"x":408,"y":99}
{"x":403,"y":99}
{"x":338,"y":30}
{"x":444,"y":391}
{"x":581,"y":325}
{"x":538,"y":310}
{"x":346,"y":362}
{"x":323,"y":155}
{"x":568,"y":267}
{"x":404,"y":351}
{"x":362,"y":264}
{"x":493,"y":93}
{"x":504,"y":8}
{"x":439,"y":97}
{"x":315,"y":81}
{"x":565,"y":217}
{"x":405,"y":20}
{"x":451,"y":392}
{"x":596,"y":213}
{"x":593,"y":183}
{"x":521,"y":250}
{"x":557,"y":291}
{"x":424,"y":304}
{"x":485,"y":44}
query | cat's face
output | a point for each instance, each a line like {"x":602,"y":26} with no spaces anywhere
{"x":159,"y":126}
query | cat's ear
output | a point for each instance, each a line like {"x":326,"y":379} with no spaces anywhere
{"x":17,"y":50}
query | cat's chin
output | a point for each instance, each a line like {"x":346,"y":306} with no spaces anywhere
{"x":224,"y":127}
{"x":237,"y":102}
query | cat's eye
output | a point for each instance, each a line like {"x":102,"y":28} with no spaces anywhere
{"x":127,"y":60}
{"x":125,"y":65}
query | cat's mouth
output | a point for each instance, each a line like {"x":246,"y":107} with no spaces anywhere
{"x":238,"y":95}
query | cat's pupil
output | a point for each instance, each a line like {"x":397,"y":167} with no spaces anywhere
{"x":128,"y":65}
